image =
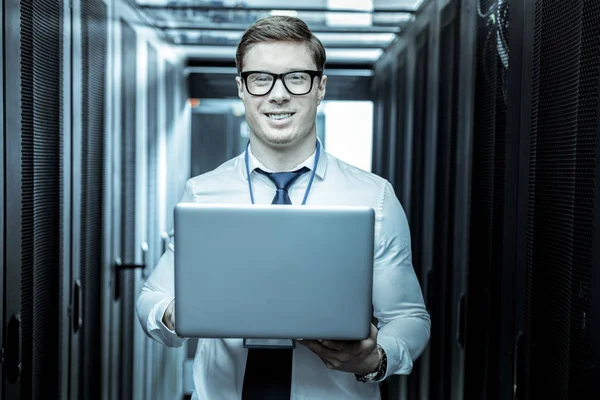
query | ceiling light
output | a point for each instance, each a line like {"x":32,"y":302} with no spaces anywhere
{"x":286,"y":13}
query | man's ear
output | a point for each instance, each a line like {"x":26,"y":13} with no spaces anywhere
{"x":321,"y":89}
{"x":240,"y":87}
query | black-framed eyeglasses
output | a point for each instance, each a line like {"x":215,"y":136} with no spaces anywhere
{"x":298,"y":83}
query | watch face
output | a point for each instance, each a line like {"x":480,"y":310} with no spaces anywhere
{"x":368,"y":377}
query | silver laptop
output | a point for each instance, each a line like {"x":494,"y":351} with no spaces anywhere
{"x":273,"y":271}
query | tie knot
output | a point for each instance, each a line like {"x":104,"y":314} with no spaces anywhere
{"x":283,"y":180}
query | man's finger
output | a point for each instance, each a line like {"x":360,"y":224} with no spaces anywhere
{"x":327,"y":363}
{"x":316,"y":346}
{"x":332,"y":356}
{"x":374,"y":332}
{"x":345,"y":346}
{"x":351,"y":346}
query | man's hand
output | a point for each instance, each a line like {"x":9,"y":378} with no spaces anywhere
{"x":359,"y":357}
{"x":169,"y":316}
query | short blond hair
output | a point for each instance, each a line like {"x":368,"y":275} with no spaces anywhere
{"x":280,"y":28}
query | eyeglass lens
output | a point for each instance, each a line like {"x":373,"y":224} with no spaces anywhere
{"x":297,"y":83}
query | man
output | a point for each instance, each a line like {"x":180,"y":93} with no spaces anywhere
{"x":281,"y":83}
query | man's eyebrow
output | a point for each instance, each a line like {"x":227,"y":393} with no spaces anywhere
{"x":284,"y":71}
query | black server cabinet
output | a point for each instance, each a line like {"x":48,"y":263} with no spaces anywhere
{"x":555,"y":357}
{"x":416,"y":211}
{"x":400,"y":133}
{"x":420,"y":106}
{"x":213,"y":136}
{"x":378,"y":129}
{"x":516,"y":172}
{"x":439,"y":282}
{"x":12,"y":203}
{"x":533,"y":204}
{"x":387,"y":123}
{"x":462,"y":182}
{"x":483,"y":338}
{"x":594,"y":373}
{"x":34,"y":266}
{"x":93,"y":170}
{"x":125,"y":285}
{"x":88,"y":64}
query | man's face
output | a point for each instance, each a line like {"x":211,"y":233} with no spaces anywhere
{"x":264,"y":113}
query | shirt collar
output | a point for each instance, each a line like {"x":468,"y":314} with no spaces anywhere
{"x":254,"y":163}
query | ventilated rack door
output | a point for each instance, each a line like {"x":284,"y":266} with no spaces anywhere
{"x":34,"y":266}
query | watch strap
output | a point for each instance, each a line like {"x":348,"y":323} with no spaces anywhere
{"x":381,"y":369}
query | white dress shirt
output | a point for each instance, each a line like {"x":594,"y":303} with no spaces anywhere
{"x":403,"y":321}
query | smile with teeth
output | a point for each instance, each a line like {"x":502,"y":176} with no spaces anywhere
{"x":279,"y":116}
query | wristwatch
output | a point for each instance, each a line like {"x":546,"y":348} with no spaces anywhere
{"x":381,"y":369}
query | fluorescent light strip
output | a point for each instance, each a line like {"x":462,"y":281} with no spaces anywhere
{"x":338,"y":55}
{"x":233,"y":71}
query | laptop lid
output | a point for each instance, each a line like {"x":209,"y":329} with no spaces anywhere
{"x":273,"y":271}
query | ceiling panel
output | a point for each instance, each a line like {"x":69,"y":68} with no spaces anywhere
{"x":335,"y":56}
{"x":408,"y":5}
{"x":347,"y":28}
{"x":232,"y":38}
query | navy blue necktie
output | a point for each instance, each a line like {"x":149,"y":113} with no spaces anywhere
{"x":283,"y":181}
{"x":268,"y":373}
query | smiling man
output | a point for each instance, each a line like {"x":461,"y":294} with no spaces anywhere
{"x":281,"y":83}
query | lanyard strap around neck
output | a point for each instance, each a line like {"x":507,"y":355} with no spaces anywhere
{"x":312,"y":175}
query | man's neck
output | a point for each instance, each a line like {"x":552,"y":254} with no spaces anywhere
{"x":283,"y":158}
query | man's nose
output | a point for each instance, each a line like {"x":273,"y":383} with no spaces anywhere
{"x":279,"y":94}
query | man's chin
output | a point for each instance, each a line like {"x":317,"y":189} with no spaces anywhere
{"x":280,"y":139}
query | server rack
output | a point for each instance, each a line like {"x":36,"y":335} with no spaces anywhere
{"x":422,"y":193}
{"x":76,"y":138}
{"x":33,"y":53}
{"x":558,"y":268}
{"x":420,"y":103}
{"x":533,"y":204}
{"x":387,"y":126}
{"x":57,"y":316}
{"x":114,"y":223}
{"x":67,"y":334}
{"x":399,"y":135}
{"x":487,"y":230}
{"x":462,"y":184}
{"x":12,"y":284}
{"x":519,"y":91}
{"x":125,"y":287}
{"x":440,"y":282}
{"x":13,"y":177}
{"x":93,"y":170}
{"x":409,"y":159}
{"x":594,"y":373}
{"x":378,"y":145}
{"x":111,"y":202}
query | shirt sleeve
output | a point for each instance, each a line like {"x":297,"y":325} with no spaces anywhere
{"x":403,"y":321}
{"x":159,"y":291}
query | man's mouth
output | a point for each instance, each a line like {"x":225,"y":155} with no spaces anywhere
{"x":277,"y":117}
